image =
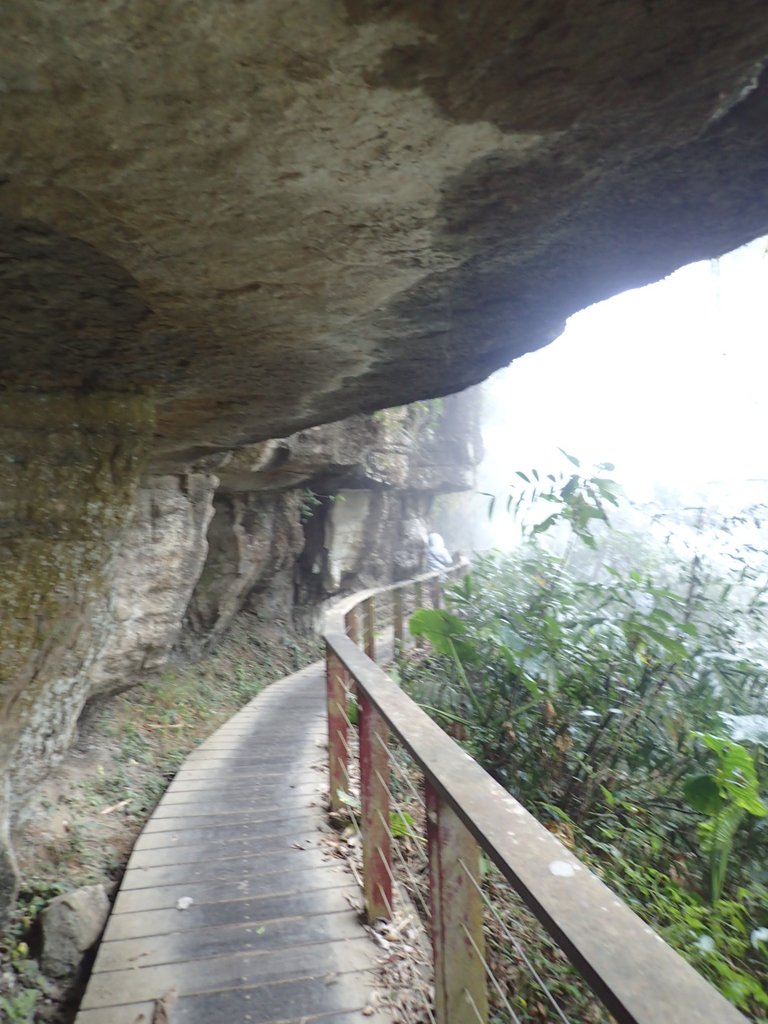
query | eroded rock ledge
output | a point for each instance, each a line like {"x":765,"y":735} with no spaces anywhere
{"x":276,"y":215}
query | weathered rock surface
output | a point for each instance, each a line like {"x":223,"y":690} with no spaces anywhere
{"x":331,"y":508}
{"x":254,"y":540}
{"x":160,"y":559}
{"x":71,"y":925}
{"x":274,"y":215}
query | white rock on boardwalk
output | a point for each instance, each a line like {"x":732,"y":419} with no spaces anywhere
{"x":72,"y":924}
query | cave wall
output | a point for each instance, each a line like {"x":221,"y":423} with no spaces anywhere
{"x":69,"y":474}
{"x":328,"y":510}
{"x":253,"y":541}
{"x":161,"y":556}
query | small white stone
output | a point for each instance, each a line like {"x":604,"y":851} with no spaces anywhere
{"x":562,"y":869}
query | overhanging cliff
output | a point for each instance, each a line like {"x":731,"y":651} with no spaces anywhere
{"x":273,"y":215}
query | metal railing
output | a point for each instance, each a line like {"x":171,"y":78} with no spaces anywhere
{"x":628,"y":967}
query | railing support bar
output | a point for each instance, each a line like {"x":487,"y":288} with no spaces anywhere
{"x":351,"y":625}
{"x":457,"y":913}
{"x":369,"y":628}
{"x":398,"y":619}
{"x":374,"y":796}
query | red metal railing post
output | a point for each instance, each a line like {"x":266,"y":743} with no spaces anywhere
{"x":338,"y":756}
{"x":369,"y":628}
{"x":351,"y":625}
{"x":398,"y":619}
{"x":418,"y":597}
{"x":374,"y":797}
{"x":457,"y":917}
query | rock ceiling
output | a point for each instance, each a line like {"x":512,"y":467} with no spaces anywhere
{"x":265,"y":215}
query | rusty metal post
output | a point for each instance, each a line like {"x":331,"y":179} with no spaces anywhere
{"x":374,"y":797}
{"x":369,"y":628}
{"x":398,"y":619}
{"x":338,"y":756}
{"x":457,"y":917}
{"x":351,"y":625}
{"x":418,"y":595}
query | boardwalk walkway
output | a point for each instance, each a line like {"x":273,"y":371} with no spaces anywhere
{"x":269,"y":933}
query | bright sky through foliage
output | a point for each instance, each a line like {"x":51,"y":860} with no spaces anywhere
{"x":669,"y":382}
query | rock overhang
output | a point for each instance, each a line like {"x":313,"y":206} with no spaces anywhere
{"x":266,"y":216}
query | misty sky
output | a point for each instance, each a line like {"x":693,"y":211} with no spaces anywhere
{"x":669,"y":382}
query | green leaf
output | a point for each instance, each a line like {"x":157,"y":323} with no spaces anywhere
{"x":348,"y":800}
{"x":703,"y":794}
{"x":569,"y":488}
{"x":545,"y":525}
{"x":571,"y":458}
{"x":400,"y":824}
{"x":446,"y":633}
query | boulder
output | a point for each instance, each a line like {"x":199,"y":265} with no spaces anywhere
{"x":72,"y":925}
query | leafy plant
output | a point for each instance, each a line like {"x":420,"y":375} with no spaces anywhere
{"x":577,"y":677}
{"x":18,"y":1009}
{"x":726,"y":796}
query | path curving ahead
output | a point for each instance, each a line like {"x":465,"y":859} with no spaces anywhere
{"x":270,"y":934}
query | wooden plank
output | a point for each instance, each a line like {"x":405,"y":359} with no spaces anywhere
{"x":222,"y":803}
{"x":268,"y":952}
{"x":207,"y":870}
{"x":245,"y":783}
{"x":271,"y":934}
{"x":281,"y":837}
{"x":292,"y":1001}
{"x":212,"y":851}
{"x":194,"y":816}
{"x":277,"y":883}
{"x":238,"y":911}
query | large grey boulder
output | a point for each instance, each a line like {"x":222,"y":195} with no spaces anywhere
{"x":72,"y":925}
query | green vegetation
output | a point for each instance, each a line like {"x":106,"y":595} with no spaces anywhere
{"x":625,"y":703}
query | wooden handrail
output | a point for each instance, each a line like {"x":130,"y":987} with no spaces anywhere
{"x":639,"y":978}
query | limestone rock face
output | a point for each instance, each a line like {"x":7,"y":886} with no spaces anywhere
{"x":274,"y":215}
{"x":254,"y":540}
{"x":159,"y":561}
{"x":68,"y":475}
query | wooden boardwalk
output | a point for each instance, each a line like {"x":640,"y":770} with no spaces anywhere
{"x":232,"y":909}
